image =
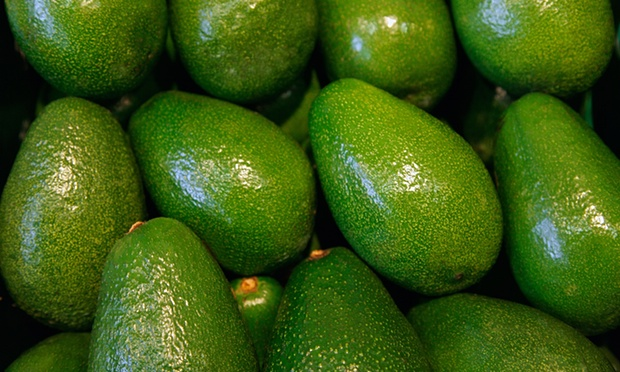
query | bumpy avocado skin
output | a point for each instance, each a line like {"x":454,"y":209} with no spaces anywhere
{"x":411,"y":196}
{"x":93,"y":49}
{"x":558,"y":184}
{"x":62,"y":352}
{"x":405,"y":47}
{"x":73,"y":190}
{"x":258,"y":298}
{"x":165,"y":304}
{"x":558,"y":47}
{"x":233,"y":176}
{"x":244,"y":51}
{"x":468,"y":332}
{"x":335,"y":314}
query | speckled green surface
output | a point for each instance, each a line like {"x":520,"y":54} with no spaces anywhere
{"x":411,"y":197}
{"x":258,"y":306}
{"x":166,"y":305}
{"x":244,"y":51}
{"x":94,"y":48}
{"x":466,"y":332}
{"x":335,"y":315}
{"x":73,"y":190}
{"x":233,"y":176}
{"x":555,"y":46}
{"x":558,"y":184}
{"x":62,"y":352}
{"x":404,"y":47}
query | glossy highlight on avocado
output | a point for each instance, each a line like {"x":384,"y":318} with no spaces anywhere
{"x":558,"y":184}
{"x":73,"y":190}
{"x":93,"y":49}
{"x":560,"y":47}
{"x":242,"y":184}
{"x":244,"y":51}
{"x":408,"y":193}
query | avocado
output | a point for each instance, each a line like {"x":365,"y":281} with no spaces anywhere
{"x":90,"y":49}
{"x":62,"y":352}
{"x":406,"y":48}
{"x":244,"y":51}
{"x":408,"y":193}
{"x":335,"y":314}
{"x":73,"y":190}
{"x":258,"y":298}
{"x":468,"y":332}
{"x":558,"y":184}
{"x":165,"y":304}
{"x":233,"y":176}
{"x":556,"y":47}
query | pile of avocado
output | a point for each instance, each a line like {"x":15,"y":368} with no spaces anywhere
{"x":316,"y":185}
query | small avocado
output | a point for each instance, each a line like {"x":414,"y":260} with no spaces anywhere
{"x":165,"y":304}
{"x":73,"y":190}
{"x":468,"y":332}
{"x":336,"y":315}
{"x":258,"y":298}
{"x":244,"y":51}
{"x":90,"y":49}
{"x":408,"y":193}
{"x":62,"y":352}
{"x":557,"y":47}
{"x":558,"y":184}
{"x":406,"y":48}
{"x":233,"y":176}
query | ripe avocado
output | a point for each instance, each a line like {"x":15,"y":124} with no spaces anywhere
{"x":409,"y":194}
{"x":244,"y":51}
{"x":165,"y":304}
{"x":559,"y":47}
{"x":558,"y":184}
{"x":258,"y":298}
{"x":73,"y":190}
{"x":92,"y":49}
{"x":62,"y":352}
{"x":407,"y":48}
{"x":467,"y":332}
{"x":233,"y":176}
{"x":336,"y":315}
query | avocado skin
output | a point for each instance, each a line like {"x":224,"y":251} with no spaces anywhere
{"x":73,"y":190}
{"x":407,"y":48}
{"x":335,"y":314}
{"x":62,"y":352}
{"x":468,"y":332}
{"x":165,"y":304}
{"x":258,"y":307}
{"x":559,"y":47}
{"x":92,"y":49}
{"x":231,"y":175}
{"x":409,"y":194}
{"x":558,"y":184}
{"x":240,"y":51}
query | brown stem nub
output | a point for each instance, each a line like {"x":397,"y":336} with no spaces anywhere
{"x":249,"y":285}
{"x":135,"y":226}
{"x":317,"y":254}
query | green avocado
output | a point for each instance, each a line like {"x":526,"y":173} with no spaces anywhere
{"x":468,"y":332}
{"x":408,"y":193}
{"x":336,"y":315}
{"x":558,"y":184}
{"x":165,"y":304}
{"x":233,"y":176}
{"x":62,"y":352}
{"x":92,"y":49}
{"x":258,"y":298}
{"x":73,"y":190}
{"x":405,"y":47}
{"x":244,"y":51}
{"x":558,"y":47}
